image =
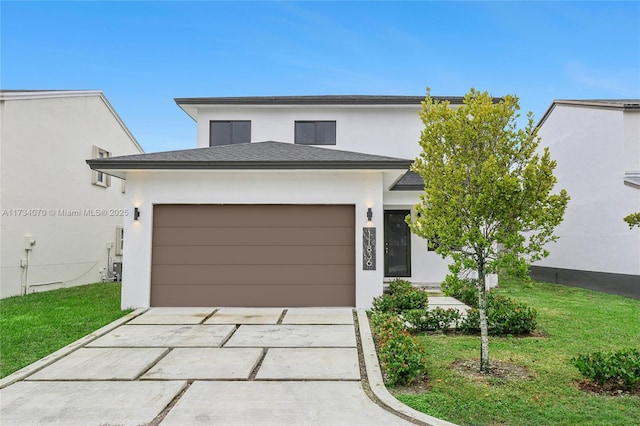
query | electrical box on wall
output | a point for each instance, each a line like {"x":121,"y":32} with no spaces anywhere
{"x":29,"y":242}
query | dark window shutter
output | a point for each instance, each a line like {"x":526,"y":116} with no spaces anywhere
{"x":241,"y":132}
{"x":315,"y":132}
{"x":326,"y":133}
{"x":229,"y":132}
{"x":305,"y":132}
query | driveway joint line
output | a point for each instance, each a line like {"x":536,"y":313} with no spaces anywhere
{"x":208,"y":316}
{"x":160,"y":417}
{"x":254,"y":371}
{"x":154,"y":363}
{"x":231,"y":333}
{"x":281,"y":317}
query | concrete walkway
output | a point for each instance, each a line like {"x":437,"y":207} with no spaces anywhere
{"x":206,"y":366}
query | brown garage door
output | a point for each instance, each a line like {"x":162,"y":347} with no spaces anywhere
{"x":253,"y":255}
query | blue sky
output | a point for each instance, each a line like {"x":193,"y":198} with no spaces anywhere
{"x":144,"y":54}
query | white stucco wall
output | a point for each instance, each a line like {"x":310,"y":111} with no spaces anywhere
{"x":44,"y":144}
{"x":363,"y":189}
{"x":382,"y":130}
{"x":594,"y":147}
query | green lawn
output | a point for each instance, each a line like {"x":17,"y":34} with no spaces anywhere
{"x":38,"y":324}
{"x":572,"y":321}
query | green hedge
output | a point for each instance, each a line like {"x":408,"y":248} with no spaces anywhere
{"x":402,"y":356}
{"x":611,"y":370}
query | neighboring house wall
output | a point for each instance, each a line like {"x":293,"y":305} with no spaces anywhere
{"x":47,"y":191}
{"x":594,"y":148}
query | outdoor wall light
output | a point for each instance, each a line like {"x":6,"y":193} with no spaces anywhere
{"x":369,"y":214}
{"x":136,"y":213}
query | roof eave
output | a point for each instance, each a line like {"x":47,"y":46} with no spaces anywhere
{"x":621,"y":106}
{"x":247,"y":165}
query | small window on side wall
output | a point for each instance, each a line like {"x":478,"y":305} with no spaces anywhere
{"x":229,"y":132}
{"x":315,"y":132}
{"x":119,"y":240}
{"x":99,"y":178}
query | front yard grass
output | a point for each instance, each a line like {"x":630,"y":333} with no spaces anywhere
{"x":570,"y":321}
{"x":38,"y":324}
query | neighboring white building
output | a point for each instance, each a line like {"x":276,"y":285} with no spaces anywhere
{"x":60,"y":222}
{"x":244,"y":221}
{"x":596,"y":144}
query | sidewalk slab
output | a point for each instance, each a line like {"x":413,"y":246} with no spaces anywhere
{"x":85,"y":403}
{"x":165,"y":336}
{"x":310,"y":363}
{"x":318,"y":316}
{"x":444,"y":301}
{"x":293,"y":336}
{"x":173,"y":316}
{"x":288,"y":403}
{"x":205,"y":364}
{"x":245,"y":316}
{"x":101,"y":364}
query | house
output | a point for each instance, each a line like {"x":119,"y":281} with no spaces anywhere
{"x":285,"y":201}
{"x":60,"y":223}
{"x":596,"y":144}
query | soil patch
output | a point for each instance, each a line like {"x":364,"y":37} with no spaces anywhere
{"x":419,"y":385}
{"x":497,"y":370}
{"x":608,"y":390}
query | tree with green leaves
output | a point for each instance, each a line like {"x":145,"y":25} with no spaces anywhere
{"x":633,"y":220}
{"x":487,"y":201}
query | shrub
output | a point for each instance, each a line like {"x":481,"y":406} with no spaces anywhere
{"x":401,"y":296}
{"x":464,"y":290}
{"x":504,"y":316}
{"x":615,"y":370}
{"x":403,"y":358}
{"x":385,"y":325}
{"x":430,"y":320}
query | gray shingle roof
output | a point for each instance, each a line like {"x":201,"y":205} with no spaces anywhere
{"x":256,"y":155}
{"x":410,"y":181}
{"x":315,"y":100}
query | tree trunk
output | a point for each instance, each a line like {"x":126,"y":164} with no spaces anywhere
{"x":484,"y":329}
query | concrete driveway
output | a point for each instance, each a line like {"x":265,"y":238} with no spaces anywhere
{"x":206,"y":366}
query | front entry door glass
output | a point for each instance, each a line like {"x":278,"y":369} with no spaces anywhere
{"x":397,"y":244}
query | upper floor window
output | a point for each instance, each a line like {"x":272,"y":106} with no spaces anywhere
{"x":229,"y":132}
{"x":316,"y":132}
{"x":99,"y":178}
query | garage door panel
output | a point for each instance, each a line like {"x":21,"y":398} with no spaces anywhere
{"x":252,"y":274}
{"x":189,"y":215}
{"x":253,"y":235}
{"x":241,"y":255}
{"x":254,"y":255}
{"x":252,"y":295}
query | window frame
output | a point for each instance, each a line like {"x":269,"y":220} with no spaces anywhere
{"x":316,"y":133}
{"x":119,"y":240}
{"x":100,"y":178}
{"x":231,"y":122}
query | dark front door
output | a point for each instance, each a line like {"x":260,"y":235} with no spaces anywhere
{"x":397,"y":244}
